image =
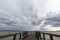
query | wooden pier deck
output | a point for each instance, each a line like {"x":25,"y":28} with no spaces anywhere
{"x":30,"y":36}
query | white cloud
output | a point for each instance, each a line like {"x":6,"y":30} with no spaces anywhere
{"x":44,"y":6}
{"x":53,"y":5}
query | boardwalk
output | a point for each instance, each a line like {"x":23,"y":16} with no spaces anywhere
{"x":30,"y":37}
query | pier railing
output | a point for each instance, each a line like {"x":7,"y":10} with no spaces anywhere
{"x":39,"y":36}
{"x":21,"y":35}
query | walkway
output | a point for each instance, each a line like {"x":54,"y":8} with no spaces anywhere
{"x":30,"y":37}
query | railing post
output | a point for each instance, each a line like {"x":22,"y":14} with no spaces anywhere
{"x":14,"y":37}
{"x":51,"y":37}
{"x":25,"y":35}
{"x":43,"y":36}
{"x":20,"y":36}
{"x":40,"y":36}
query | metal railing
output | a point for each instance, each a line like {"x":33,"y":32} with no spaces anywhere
{"x":39,"y":36}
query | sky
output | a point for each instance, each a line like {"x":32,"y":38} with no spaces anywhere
{"x":52,"y":9}
{"x":45,"y":6}
{"x":25,"y":8}
{"x":42,"y":6}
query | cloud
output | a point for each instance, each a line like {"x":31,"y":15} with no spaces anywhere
{"x":11,"y":7}
{"x":53,"y":20}
{"x":45,"y":6}
{"x":24,"y":9}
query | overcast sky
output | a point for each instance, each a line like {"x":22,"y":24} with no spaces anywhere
{"x":16,"y":7}
{"x":25,"y":8}
{"x":44,"y":6}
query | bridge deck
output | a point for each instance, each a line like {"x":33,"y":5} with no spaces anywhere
{"x":30,"y":37}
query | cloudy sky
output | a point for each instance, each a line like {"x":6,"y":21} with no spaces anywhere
{"x":42,"y":6}
{"x":26,"y":8}
{"x":45,"y":6}
{"x":50,"y":9}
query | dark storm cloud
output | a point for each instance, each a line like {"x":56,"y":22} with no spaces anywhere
{"x":53,"y":20}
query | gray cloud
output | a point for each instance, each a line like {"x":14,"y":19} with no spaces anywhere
{"x":53,"y":20}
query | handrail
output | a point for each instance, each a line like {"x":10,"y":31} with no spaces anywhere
{"x":45,"y":33}
{"x":52,"y":34}
{"x":14,"y":35}
{"x":24,"y":34}
{"x":4,"y":36}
